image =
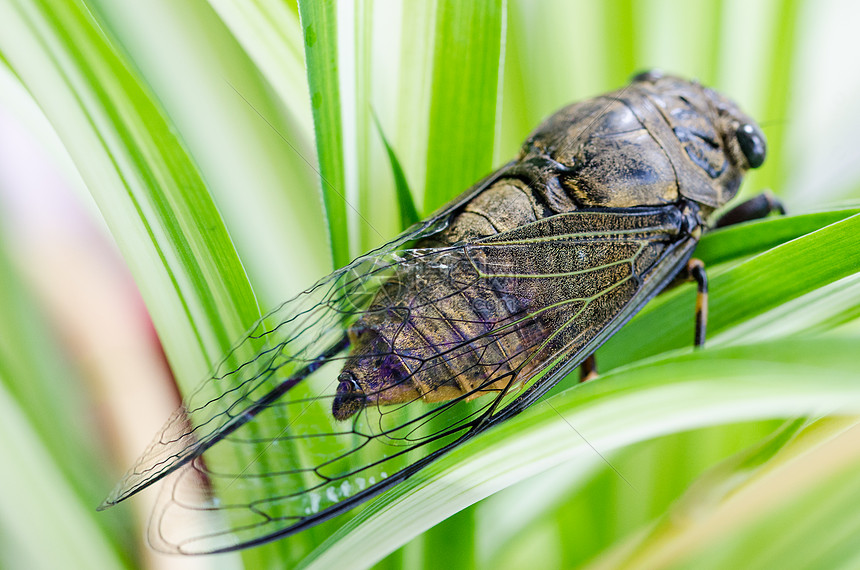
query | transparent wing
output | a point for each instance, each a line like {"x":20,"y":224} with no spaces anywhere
{"x":283,"y":347}
{"x":480,"y":330}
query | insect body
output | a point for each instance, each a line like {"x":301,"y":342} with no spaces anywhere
{"x":461,"y":322}
{"x":574,"y":206}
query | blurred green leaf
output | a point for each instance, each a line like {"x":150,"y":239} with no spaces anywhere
{"x":50,"y":484}
{"x":802,"y":475}
{"x":319,"y":29}
{"x":619,"y":20}
{"x":657,"y":472}
{"x":271,"y":35}
{"x":468,"y":55}
{"x":145,"y":184}
{"x":251,"y":140}
{"x":405,"y":203}
{"x":39,"y":502}
{"x":786,"y":17}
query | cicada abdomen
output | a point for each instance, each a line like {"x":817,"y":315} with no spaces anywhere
{"x":445,"y":324}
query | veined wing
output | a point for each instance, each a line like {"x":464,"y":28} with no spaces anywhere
{"x":283,"y":347}
{"x":550,"y":293}
{"x":288,"y":344}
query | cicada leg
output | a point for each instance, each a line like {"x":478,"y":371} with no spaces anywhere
{"x":753,"y":209}
{"x":588,"y":369}
{"x":696,"y":271}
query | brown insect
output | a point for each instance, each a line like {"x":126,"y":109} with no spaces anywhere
{"x":461,"y":322}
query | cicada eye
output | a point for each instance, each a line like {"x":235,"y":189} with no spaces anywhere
{"x":347,"y":384}
{"x":752,"y":144}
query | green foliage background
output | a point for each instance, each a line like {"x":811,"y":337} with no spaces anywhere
{"x":239,"y":149}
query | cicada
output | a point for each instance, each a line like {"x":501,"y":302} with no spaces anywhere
{"x":463,"y":321}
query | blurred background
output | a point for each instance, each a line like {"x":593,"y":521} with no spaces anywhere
{"x":160,"y":187}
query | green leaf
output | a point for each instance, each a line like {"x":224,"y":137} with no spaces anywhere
{"x":468,"y":55}
{"x":50,"y":482}
{"x":659,"y":28}
{"x":271,"y":35}
{"x":623,"y":407}
{"x":750,"y":238}
{"x":144,"y":182}
{"x":659,"y":470}
{"x":39,"y":503}
{"x":319,"y":26}
{"x":620,"y":29}
{"x":806,"y":476}
{"x":779,"y":90}
{"x":251,"y":140}
{"x":750,"y":288}
{"x":146,"y":185}
{"x":408,"y":213}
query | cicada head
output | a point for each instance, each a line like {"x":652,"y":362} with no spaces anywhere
{"x":372,"y":374}
{"x":657,"y":140}
{"x":719,"y":141}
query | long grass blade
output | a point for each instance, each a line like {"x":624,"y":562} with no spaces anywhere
{"x":741,"y":292}
{"x":405,"y":203}
{"x":319,"y":26}
{"x":146,"y":185}
{"x":638,"y":403}
{"x":467,"y":61}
